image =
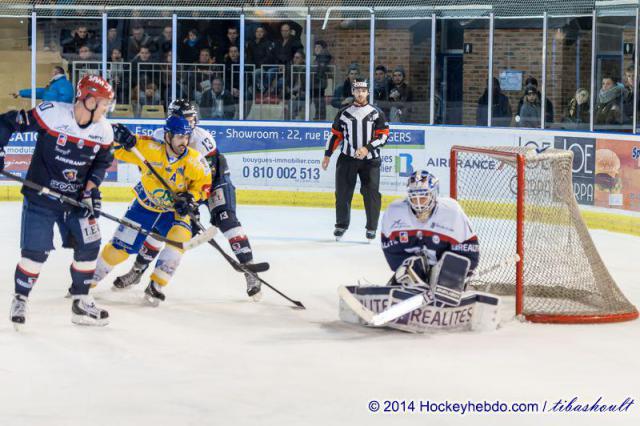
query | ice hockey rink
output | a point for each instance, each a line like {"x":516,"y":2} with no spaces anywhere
{"x":210,"y":356}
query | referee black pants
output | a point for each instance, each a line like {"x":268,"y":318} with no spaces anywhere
{"x":347,"y":171}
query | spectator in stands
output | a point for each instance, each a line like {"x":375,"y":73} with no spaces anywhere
{"x":260,"y":49}
{"x":59,"y":88}
{"x":232,"y":39}
{"x":342,"y":95}
{"x":609,"y":103}
{"x":164,"y":41}
{"x":118,"y":78}
{"x":113,"y":40}
{"x":400,"y":97}
{"x":145,"y":72}
{"x":150,"y":95}
{"x":231,"y":72}
{"x":578,"y":113}
{"x":285,"y":48}
{"x":296,"y":86}
{"x":321,"y":79}
{"x":80,"y":36}
{"x":138,"y":40}
{"x":115,"y":55}
{"x":530,"y":112}
{"x":216,"y":102}
{"x":500,"y":107}
{"x":548,"y":108}
{"x":191,"y":47}
{"x":381,"y":88}
{"x":627,"y":98}
{"x":85,"y":54}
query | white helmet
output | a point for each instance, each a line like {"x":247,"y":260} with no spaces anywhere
{"x":422,"y":193}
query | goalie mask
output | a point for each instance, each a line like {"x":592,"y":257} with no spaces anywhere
{"x":422,"y":193}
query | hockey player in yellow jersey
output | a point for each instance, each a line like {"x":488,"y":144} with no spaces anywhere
{"x":188,"y":175}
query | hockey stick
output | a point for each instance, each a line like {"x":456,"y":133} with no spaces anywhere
{"x":43,"y":190}
{"x":236,"y":265}
{"x":410,"y":304}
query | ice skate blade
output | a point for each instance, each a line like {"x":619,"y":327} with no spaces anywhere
{"x":257,"y":297}
{"x":151,"y":301}
{"x":85,"y":320}
{"x":119,"y":289}
{"x":18,"y":326}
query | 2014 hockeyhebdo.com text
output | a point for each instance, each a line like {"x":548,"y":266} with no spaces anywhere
{"x":573,"y":405}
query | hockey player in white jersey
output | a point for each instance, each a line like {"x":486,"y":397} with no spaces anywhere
{"x":221,"y":204}
{"x":430,"y":245}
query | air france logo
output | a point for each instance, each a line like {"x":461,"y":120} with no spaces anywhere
{"x":62,"y":139}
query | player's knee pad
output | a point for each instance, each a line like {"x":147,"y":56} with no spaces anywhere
{"x":35,"y":256}
{"x":225,"y":220}
{"x":87,"y":255}
{"x":32,"y":261}
{"x":414,"y":271}
{"x":113,"y":255}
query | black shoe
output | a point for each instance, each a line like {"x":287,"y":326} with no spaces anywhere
{"x":339,"y":232}
{"x":371,"y":235}
{"x":153,"y":295}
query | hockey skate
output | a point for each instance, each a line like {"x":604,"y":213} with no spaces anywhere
{"x":338,"y":233}
{"x":18,"y":314}
{"x":371,"y":235}
{"x":253,"y":287}
{"x":129,"y":279}
{"x":152,"y":294}
{"x":85,"y":312}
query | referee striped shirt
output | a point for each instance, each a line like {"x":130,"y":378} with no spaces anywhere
{"x":356,"y":126}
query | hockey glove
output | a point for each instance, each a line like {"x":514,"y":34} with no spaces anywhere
{"x":123,"y":136}
{"x":93,"y":199}
{"x":1,"y":158}
{"x":184,"y":204}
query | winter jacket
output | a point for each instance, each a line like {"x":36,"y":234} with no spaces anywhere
{"x":59,"y":89}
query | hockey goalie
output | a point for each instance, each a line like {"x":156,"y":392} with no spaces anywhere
{"x":429,"y":243}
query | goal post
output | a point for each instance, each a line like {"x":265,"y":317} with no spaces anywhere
{"x":521,"y":201}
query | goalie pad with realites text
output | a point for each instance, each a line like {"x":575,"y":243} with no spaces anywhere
{"x":477,"y":311}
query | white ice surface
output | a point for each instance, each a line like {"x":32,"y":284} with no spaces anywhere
{"x":209,"y":356}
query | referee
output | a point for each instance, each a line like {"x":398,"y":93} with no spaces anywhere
{"x":358,"y":131}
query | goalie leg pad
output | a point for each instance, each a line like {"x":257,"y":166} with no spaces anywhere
{"x":448,"y":278}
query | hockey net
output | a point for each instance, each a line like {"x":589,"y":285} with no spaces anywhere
{"x":521,"y":201}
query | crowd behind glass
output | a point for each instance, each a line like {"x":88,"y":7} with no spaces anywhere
{"x":139,"y":56}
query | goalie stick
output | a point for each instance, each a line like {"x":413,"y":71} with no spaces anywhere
{"x":251,"y":269}
{"x":409,"y":305}
{"x":43,"y":190}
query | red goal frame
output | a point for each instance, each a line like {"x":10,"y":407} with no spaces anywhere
{"x":520,"y":223}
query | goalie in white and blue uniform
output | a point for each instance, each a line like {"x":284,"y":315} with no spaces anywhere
{"x":418,"y":231}
{"x":430,"y":245}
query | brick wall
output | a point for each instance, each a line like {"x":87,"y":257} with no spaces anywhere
{"x":568,"y":61}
